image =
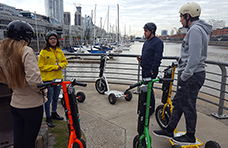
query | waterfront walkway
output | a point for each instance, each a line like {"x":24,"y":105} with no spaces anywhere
{"x":115,"y":126}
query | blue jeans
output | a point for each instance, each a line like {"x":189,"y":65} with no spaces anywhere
{"x":53,"y":96}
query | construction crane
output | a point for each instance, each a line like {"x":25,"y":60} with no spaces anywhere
{"x":76,"y":5}
{"x":177,"y":30}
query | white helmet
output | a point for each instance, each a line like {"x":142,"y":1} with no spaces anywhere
{"x":192,"y":9}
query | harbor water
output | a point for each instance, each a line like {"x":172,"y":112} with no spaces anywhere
{"x":215,"y":53}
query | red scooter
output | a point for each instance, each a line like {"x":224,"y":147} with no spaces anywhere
{"x":69,"y":102}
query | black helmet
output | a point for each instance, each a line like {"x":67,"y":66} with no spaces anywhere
{"x":150,"y":26}
{"x":51,"y":33}
{"x":48,"y":35}
{"x":19,"y":30}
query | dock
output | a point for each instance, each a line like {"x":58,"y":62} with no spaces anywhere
{"x":115,"y":126}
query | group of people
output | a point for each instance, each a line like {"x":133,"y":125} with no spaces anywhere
{"x":191,"y":69}
{"x":20,"y":70}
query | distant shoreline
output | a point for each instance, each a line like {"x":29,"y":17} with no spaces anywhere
{"x":214,"y":43}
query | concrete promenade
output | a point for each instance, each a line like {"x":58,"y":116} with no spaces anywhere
{"x":115,"y":126}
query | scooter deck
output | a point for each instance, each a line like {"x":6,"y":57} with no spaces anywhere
{"x":117,"y":93}
{"x":194,"y":145}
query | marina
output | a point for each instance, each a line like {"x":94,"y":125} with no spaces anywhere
{"x":116,"y":125}
{"x":104,"y":122}
{"x":107,"y":126}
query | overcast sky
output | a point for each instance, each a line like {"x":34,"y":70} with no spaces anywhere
{"x":133,"y":13}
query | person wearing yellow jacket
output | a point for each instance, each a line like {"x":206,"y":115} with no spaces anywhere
{"x":51,"y":62}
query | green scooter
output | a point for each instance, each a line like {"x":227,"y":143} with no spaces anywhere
{"x":143,"y":139}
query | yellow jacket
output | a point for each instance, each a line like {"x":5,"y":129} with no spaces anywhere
{"x":48,"y":63}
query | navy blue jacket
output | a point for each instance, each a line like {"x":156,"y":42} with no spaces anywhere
{"x":151,"y":57}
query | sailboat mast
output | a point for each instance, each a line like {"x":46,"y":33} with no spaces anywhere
{"x":107,"y":24}
{"x":95,"y":24}
{"x":118,"y":23}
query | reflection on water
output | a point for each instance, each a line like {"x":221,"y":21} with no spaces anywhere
{"x":215,"y":53}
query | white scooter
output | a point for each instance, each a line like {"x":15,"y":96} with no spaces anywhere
{"x":102,"y":87}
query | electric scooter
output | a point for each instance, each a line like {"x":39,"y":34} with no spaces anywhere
{"x":163,"y":112}
{"x":143,"y":139}
{"x":69,"y":102}
{"x":102,"y":87}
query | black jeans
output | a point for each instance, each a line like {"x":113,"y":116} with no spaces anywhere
{"x":26,"y":126}
{"x":185,"y":101}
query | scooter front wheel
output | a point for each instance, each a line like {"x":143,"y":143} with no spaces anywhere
{"x":112,"y":98}
{"x":80,"y":97}
{"x":136,"y":142}
{"x":162,"y":120}
{"x":128,"y":95}
{"x":101,"y":86}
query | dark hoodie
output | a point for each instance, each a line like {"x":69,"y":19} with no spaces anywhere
{"x":194,"y":49}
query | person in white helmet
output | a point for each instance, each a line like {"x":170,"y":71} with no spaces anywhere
{"x":191,"y":73}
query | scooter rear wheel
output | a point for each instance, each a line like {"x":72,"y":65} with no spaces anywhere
{"x":101,"y":86}
{"x":162,"y":122}
{"x":81,"y":97}
{"x":128,"y":95}
{"x":112,"y":98}
{"x":212,"y":144}
{"x":76,"y":145}
{"x":136,"y":142}
{"x":175,"y":146}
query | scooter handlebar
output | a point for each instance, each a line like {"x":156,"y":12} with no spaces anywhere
{"x":161,"y":80}
{"x":134,"y":85}
{"x":79,"y":83}
{"x":44,"y":84}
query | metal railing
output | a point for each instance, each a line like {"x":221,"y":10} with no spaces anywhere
{"x":124,"y":69}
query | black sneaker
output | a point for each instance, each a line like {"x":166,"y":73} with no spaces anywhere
{"x":55,"y":116}
{"x":184,"y":139}
{"x":163,"y":133}
{"x":49,"y":122}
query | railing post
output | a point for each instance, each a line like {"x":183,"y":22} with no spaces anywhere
{"x":220,"y":114}
{"x":64,"y":71}
{"x":138,"y":79}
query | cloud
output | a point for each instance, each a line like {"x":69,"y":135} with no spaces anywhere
{"x":133,"y":13}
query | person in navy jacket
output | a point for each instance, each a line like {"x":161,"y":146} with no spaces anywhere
{"x":151,"y":57}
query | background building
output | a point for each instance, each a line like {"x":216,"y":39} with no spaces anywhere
{"x":164,"y":32}
{"x":54,"y":9}
{"x":67,"y":18}
{"x":70,"y":35}
{"x":78,"y":16}
{"x":217,"y":24}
